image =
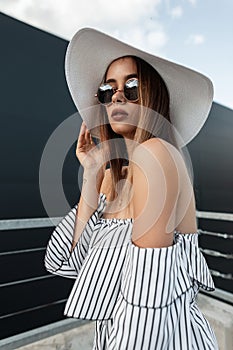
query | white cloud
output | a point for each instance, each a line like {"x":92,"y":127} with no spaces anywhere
{"x":195,"y":39}
{"x":157,"y":39}
{"x":134,"y":21}
{"x":192,"y":2}
{"x":176,"y":12}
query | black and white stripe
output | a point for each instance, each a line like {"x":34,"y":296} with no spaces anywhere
{"x":141,"y":298}
{"x":58,"y":258}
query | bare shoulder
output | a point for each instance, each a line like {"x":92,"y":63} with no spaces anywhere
{"x":160,"y":147}
{"x":156,"y":150}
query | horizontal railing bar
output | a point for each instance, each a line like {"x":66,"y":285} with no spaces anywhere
{"x":19,"y":224}
{"x":214,"y":215}
{"x":29,"y":337}
{"x":16,"y":224}
{"x":217,"y":234}
{"x":32,"y":250}
{"x":216,"y":253}
{"x":220,"y":294}
{"x":33,"y":279}
{"x":227,"y":276}
{"x":32,"y":309}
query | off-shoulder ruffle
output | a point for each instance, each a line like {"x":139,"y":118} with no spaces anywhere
{"x":155,"y":277}
{"x":58,"y":258}
{"x":149,"y":277}
{"x":183,"y":264}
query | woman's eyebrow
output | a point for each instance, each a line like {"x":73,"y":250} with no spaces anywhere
{"x":127,"y":77}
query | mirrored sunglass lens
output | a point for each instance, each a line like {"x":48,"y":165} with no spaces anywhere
{"x":105,"y":93}
{"x":131,"y":90}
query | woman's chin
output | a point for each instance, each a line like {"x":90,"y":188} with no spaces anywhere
{"x":123,"y":129}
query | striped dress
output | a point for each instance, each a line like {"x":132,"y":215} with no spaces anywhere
{"x":141,"y":298}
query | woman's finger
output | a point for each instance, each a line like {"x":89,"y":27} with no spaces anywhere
{"x":88,"y":136}
{"x":81,"y":137}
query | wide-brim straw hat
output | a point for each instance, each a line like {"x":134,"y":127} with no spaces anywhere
{"x":90,"y":52}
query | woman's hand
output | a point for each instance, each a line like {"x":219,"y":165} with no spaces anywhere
{"x":84,"y":145}
{"x":91,"y":157}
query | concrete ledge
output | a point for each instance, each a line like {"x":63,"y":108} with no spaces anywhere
{"x":220,"y":316}
{"x":78,"y":338}
{"x":39,"y":334}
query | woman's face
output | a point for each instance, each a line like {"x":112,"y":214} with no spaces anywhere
{"x":122,"y":115}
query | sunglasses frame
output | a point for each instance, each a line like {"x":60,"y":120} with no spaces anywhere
{"x":117,"y":90}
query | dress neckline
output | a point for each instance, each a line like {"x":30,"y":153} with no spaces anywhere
{"x":108,"y":220}
{"x":124,"y":220}
{"x":131,"y":220}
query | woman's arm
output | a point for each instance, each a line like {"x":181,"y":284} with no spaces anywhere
{"x":88,"y":201}
{"x":69,"y":242}
{"x":92,"y":159}
{"x":59,"y":259}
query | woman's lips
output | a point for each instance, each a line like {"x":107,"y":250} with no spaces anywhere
{"x":119,"y":114}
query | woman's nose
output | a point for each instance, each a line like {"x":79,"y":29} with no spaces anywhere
{"x":119,"y":96}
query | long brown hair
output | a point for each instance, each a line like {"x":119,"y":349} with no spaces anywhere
{"x":154,"y":96}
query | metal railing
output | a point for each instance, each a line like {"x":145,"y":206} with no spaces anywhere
{"x":40,"y":333}
{"x":215,"y":253}
{"x":19,"y":224}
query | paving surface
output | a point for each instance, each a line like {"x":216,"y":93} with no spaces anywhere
{"x":80,"y":338}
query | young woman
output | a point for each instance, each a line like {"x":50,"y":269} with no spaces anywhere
{"x":132,"y":241}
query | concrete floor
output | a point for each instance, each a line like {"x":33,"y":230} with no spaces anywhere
{"x":80,"y":338}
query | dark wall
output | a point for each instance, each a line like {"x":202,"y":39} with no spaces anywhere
{"x":211,"y":153}
{"x":34,"y":101}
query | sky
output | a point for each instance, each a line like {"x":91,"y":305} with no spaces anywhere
{"x":195,"y":33}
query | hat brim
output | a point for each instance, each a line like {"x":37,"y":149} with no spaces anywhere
{"x":90,"y":52}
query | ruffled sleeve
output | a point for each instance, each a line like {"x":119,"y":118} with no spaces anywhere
{"x":155,"y":277}
{"x":58,"y":257}
{"x":194,"y":262}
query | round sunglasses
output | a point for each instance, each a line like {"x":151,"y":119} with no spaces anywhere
{"x":106,"y":91}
